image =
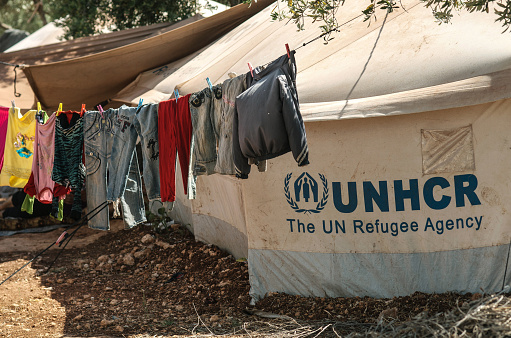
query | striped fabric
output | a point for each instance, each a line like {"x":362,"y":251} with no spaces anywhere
{"x":68,"y":167}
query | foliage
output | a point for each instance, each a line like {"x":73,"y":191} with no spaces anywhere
{"x":324,"y":10}
{"x":88,"y":17}
{"x":21,"y":14}
{"x":161,"y":221}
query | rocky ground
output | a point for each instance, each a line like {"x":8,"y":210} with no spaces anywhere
{"x":140,"y":282}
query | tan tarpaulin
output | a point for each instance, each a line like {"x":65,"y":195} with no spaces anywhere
{"x":379,"y":70}
{"x":95,"y":78}
{"x":67,"y":50}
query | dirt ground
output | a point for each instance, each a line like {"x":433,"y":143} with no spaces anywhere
{"x":143,"y":283}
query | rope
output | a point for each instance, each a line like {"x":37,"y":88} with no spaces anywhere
{"x":67,"y":238}
{"x":336,"y":29}
{"x":16,"y":94}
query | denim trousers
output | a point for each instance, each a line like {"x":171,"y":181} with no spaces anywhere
{"x":134,"y":124}
{"x":203,"y":145}
{"x":99,"y":134}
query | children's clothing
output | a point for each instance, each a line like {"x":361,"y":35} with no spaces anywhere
{"x":19,"y":148}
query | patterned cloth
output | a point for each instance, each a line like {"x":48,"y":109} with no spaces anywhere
{"x":68,"y":167}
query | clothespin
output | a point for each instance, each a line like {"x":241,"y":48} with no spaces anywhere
{"x":13,"y":104}
{"x":83,"y":109}
{"x":251,"y":69}
{"x":38,"y":114}
{"x":140,"y":103}
{"x":288,"y":51}
{"x":176,"y":94}
{"x":101,"y":110}
{"x":61,"y":237}
{"x":59,"y":110}
{"x":209,"y":84}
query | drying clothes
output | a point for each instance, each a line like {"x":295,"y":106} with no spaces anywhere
{"x":267,"y":121}
{"x":68,"y":169}
{"x":174,"y":136}
{"x":4,"y":117}
{"x":112,"y":163}
{"x":223,"y":122}
{"x":19,"y":148}
{"x":203,"y":144}
{"x":42,"y":165}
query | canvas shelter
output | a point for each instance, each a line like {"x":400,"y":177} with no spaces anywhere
{"x":65,"y":50}
{"x":102,"y":74}
{"x":408,"y":187}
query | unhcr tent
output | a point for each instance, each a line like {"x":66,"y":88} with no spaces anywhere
{"x":408,"y":129}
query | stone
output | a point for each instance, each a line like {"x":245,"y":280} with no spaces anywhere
{"x":147,"y":239}
{"x":163,"y":244}
{"x":103,"y":259}
{"x":214,"y":318}
{"x":77,"y":318}
{"x":128,"y":259}
{"x":119,"y":328}
{"x":105,"y":322}
{"x":141,"y":254}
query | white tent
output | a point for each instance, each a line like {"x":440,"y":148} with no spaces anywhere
{"x":407,"y":124}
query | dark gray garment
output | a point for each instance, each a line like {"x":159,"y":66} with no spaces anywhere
{"x":267,"y":121}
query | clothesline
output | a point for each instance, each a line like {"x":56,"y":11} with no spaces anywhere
{"x":16,"y":94}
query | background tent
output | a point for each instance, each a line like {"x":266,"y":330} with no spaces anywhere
{"x":66,"y":50}
{"x":56,"y":82}
{"x":45,"y":35}
{"x":10,"y":37}
{"x":413,"y":198}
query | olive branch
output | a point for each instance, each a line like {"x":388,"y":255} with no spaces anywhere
{"x":321,"y":204}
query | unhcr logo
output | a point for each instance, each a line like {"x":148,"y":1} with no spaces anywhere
{"x":306,"y":190}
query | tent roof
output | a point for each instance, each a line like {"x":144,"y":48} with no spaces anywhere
{"x":366,"y":70}
{"x":94,"y":78}
{"x":67,"y":50}
{"x":45,"y":35}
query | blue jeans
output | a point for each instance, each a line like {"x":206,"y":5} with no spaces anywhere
{"x":99,"y":133}
{"x":131,"y":124}
{"x":203,"y":146}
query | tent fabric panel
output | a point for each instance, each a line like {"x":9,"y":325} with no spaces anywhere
{"x":481,"y":89}
{"x":363,"y":67}
{"x":377,"y":275}
{"x":101,"y":75}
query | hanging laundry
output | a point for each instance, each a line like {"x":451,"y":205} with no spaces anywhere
{"x":267,"y":121}
{"x":110,"y":139}
{"x":40,"y":186}
{"x":19,"y":148}
{"x":203,"y":104}
{"x":174,"y":136}
{"x":4,"y":117}
{"x":68,"y":168}
{"x":223,"y":123}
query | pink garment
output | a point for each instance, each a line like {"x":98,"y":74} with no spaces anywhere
{"x":4,"y":117}
{"x":42,"y":165}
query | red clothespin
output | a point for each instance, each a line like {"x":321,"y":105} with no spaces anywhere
{"x":83,"y":109}
{"x":101,"y":110}
{"x":251,"y":69}
{"x":64,"y":234}
{"x":288,"y":51}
